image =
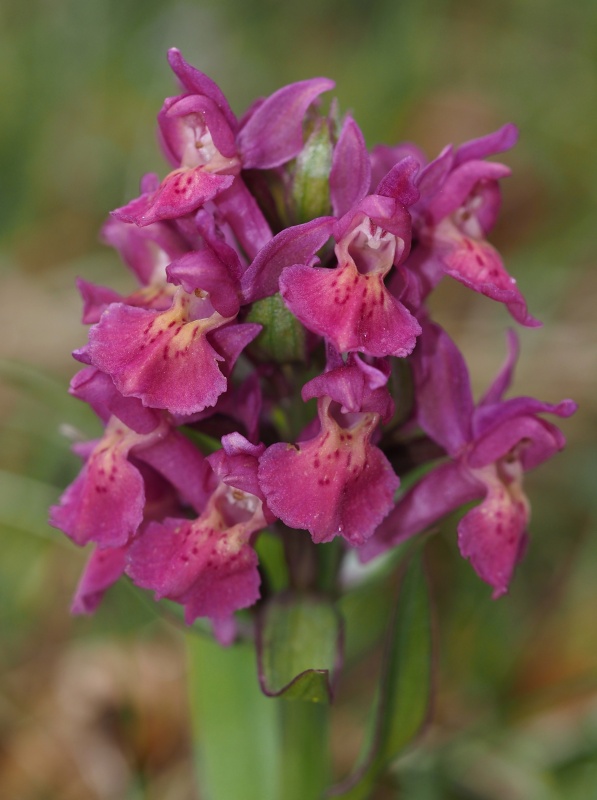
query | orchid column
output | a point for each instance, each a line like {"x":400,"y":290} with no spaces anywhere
{"x":264,"y":391}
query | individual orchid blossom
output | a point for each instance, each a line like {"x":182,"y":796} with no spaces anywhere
{"x":148,"y":353}
{"x":489,"y":446}
{"x":208,"y":147}
{"x":458,"y":205}
{"x":336,"y":483}
{"x":208,"y":564}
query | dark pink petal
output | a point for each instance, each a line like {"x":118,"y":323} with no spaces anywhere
{"x":207,"y":564}
{"x":488,"y":417}
{"x":274,"y":132}
{"x":101,"y":571}
{"x":498,"y":141}
{"x":97,"y":389}
{"x":242,"y":404}
{"x":476,"y":264}
{"x":291,"y":246}
{"x":383,"y":158}
{"x":212,"y":233}
{"x":503,"y":379}
{"x":442,"y":390}
{"x":433,"y":175}
{"x":146,"y":251}
{"x":533,"y":440}
{"x":492,"y":535}
{"x":163,"y":358}
{"x":194,"y":131}
{"x":95,"y":300}
{"x":336,"y":484}
{"x":181,"y":192}
{"x":236,"y":463}
{"x":198,"y":83}
{"x":105,"y":502}
{"x":351,"y":169}
{"x":460,"y":184}
{"x":183,"y":465}
{"x":202,"y":271}
{"x":399,"y":182}
{"x":441,"y":491}
{"x":355,"y":386}
{"x":240,"y":210}
{"x":230,"y":340}
{"x":352,"y":310}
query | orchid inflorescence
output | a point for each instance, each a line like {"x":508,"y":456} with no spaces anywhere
{"x":278,"y":367}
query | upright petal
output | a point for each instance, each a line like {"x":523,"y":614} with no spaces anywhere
{"x":443,"y":391}
{"x":351,"y":169}
{"x":273,"y":134}
{"x":198,"y":83}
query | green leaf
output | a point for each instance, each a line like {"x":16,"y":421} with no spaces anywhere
{"x":299,"y":648}
{"x":367,"y":607}
{"x":404,"y":689}
{"x":236,"y":728}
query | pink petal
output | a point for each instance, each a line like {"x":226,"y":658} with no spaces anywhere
{"x":438,"y":493}
{"x":105,"y":502}
{"x":163,"y":358}
{"x":197,"y":82}
{"x":351,"y":169}
{"x":492,"y":534}
{"x":291,"y":246}
{"x":336,"y":484}
{"x":442,"y":389}
{"x":274,"y":132}
{"x":476,"y":264}
{"x":102,"y":570}
{"x":498,"y":141}
{"x":181,"y":192}
{"x":207,"y":564}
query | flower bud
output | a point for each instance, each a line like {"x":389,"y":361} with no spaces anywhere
{"x":310,"y":184}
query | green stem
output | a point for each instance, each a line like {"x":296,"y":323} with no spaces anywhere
{"x":234,"y":725}
{"x":305,"y":754}
{"x":247,"y":745}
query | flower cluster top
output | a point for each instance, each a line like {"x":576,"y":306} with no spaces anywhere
{"x":283,"y":272}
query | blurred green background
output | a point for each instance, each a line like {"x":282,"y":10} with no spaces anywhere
{"x":95,"y":709}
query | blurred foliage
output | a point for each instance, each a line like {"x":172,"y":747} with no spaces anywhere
{"x":101,"y":702}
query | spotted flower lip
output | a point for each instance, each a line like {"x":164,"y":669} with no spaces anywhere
{"x":349,"y":304}
{"x":489,"y":447}
{"x":337,"y":483}
{"x":112,"y":472}
{"x":208,"y":565}
{"x":163,"y":358}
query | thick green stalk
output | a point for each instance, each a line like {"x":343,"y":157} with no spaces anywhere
{"x":234,"y":724}
{"x":249,"y":746}
{"x":305,"y":750}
